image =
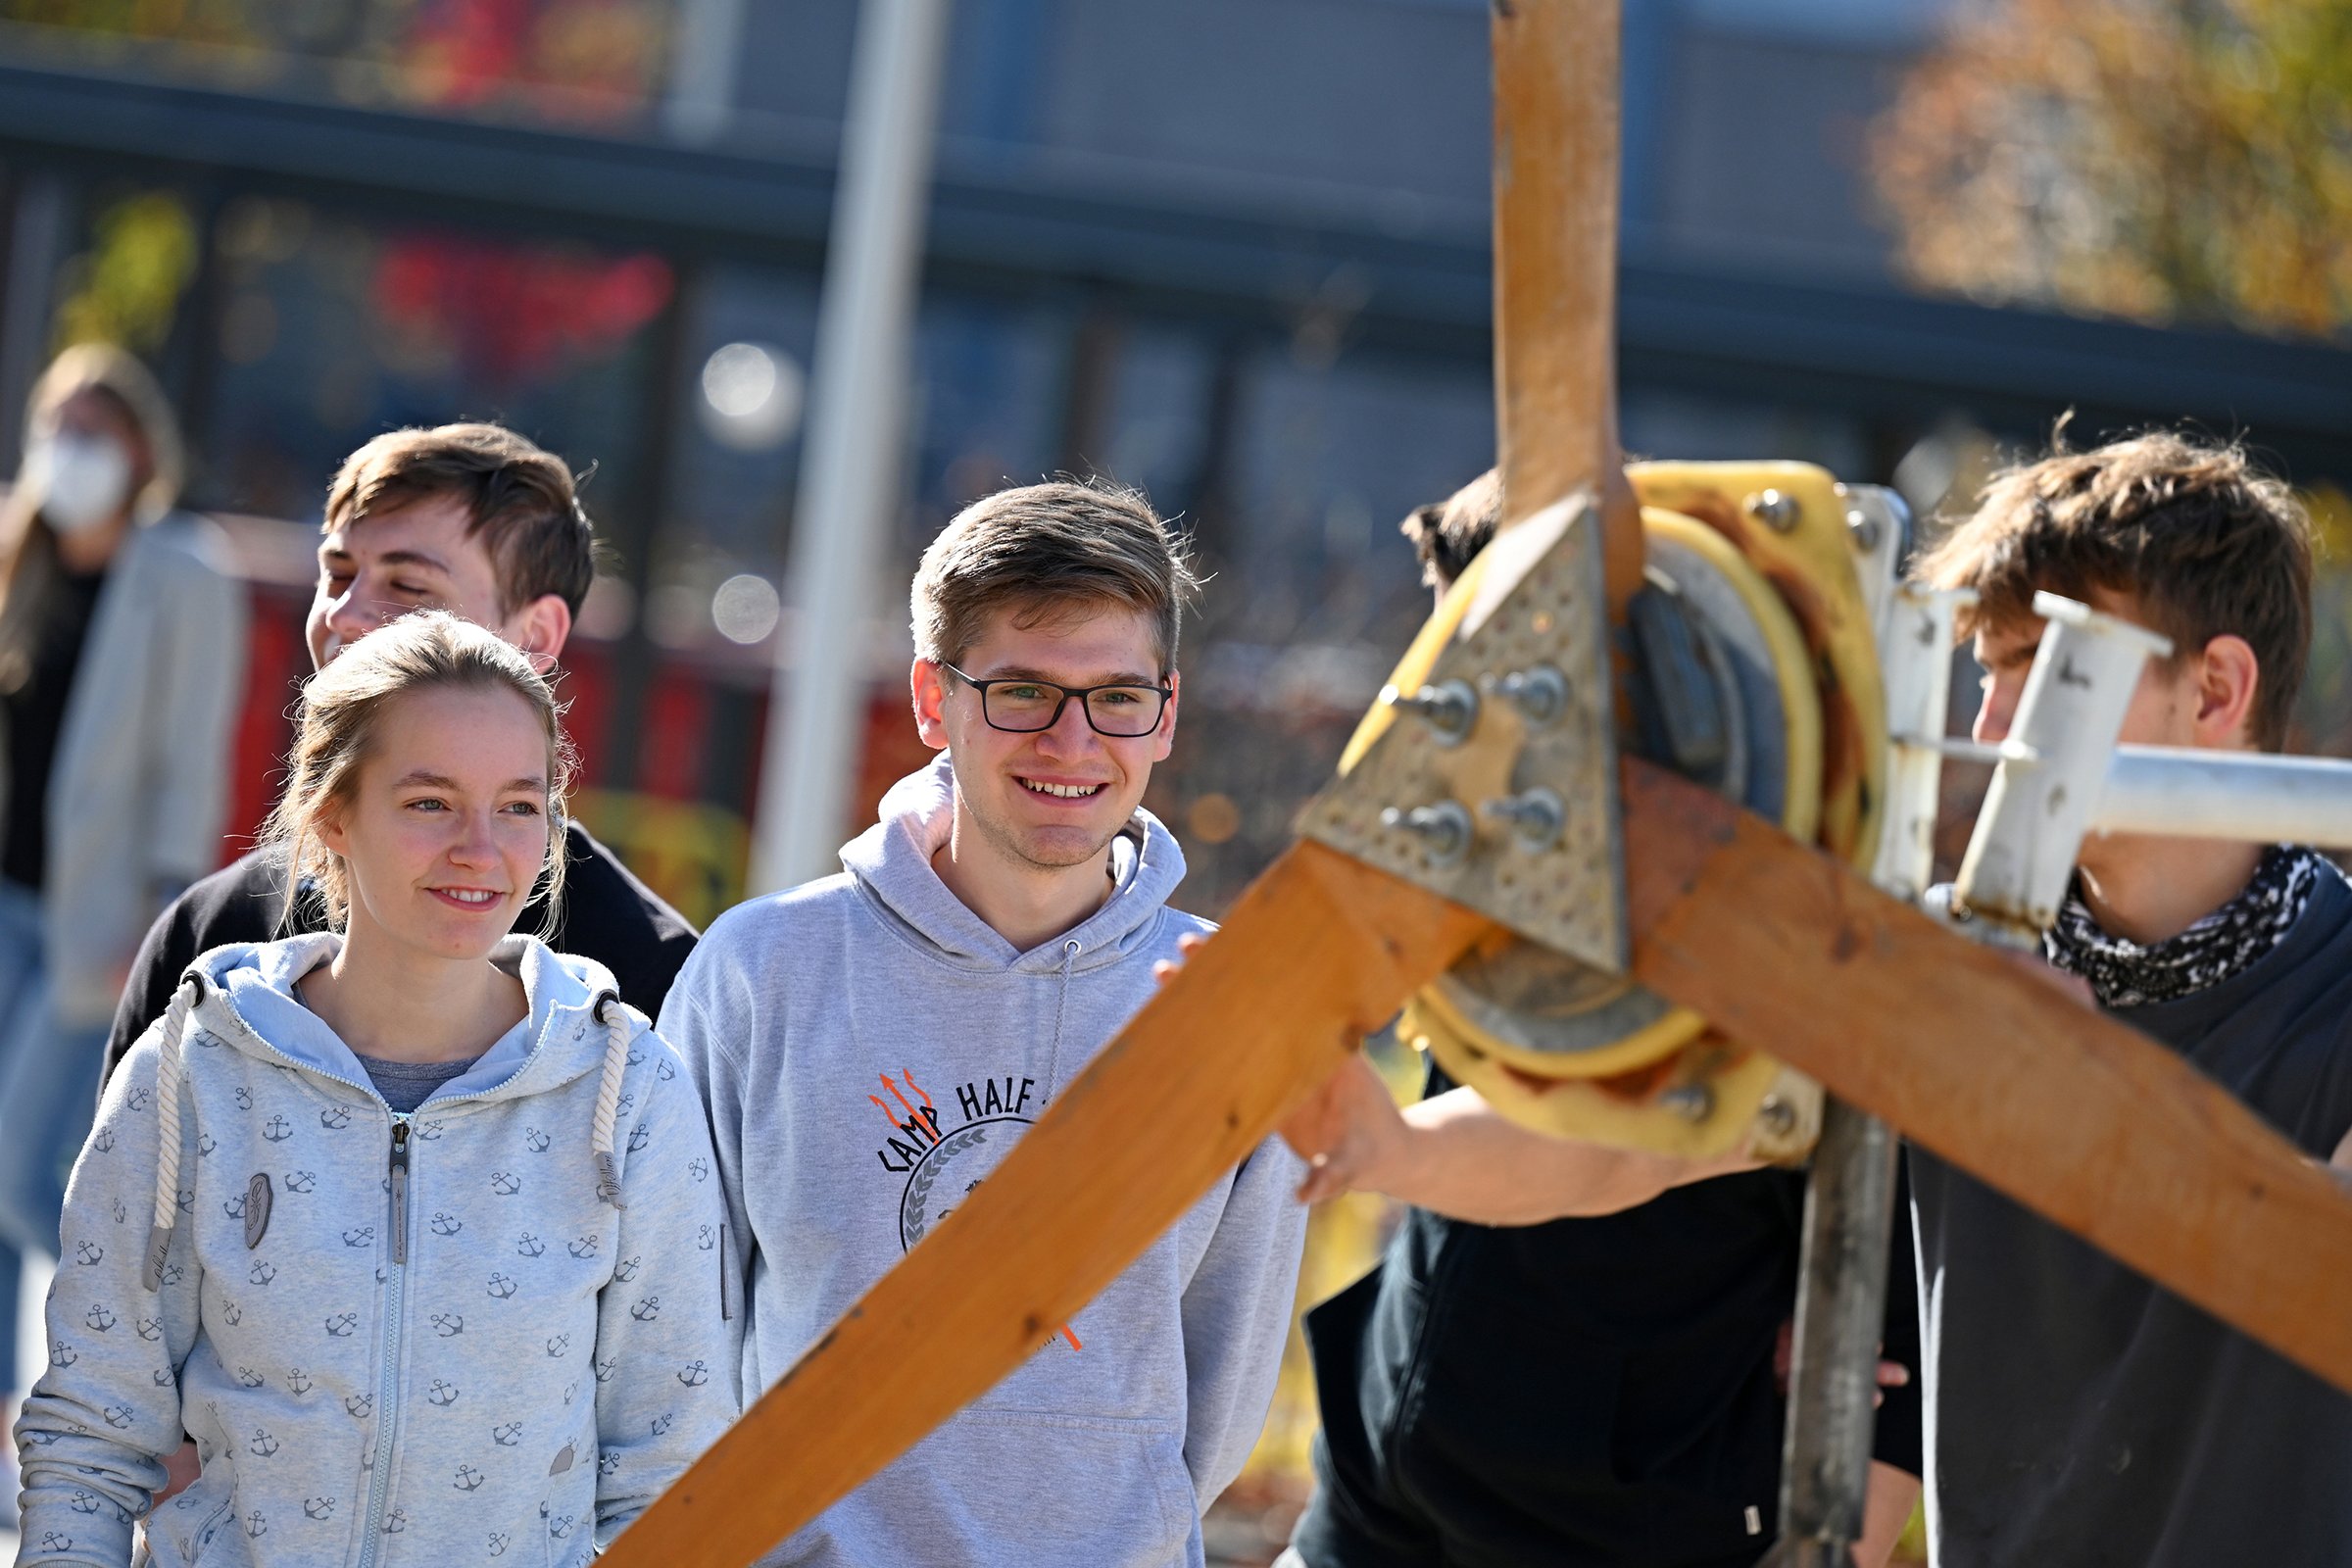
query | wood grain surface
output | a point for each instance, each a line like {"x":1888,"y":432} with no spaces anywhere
{"x":1555,"y":268}
{"x":1319,"y":952}
{"x":2073,"y":1114}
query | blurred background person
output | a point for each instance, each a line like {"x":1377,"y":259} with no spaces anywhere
{"x":123,"y":638}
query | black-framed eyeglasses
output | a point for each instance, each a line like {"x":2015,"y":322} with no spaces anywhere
{"x":1021,"y":706}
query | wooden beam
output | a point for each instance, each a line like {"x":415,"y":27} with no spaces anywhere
{"x":1555,"y":268}
{"x":1319,"y":952}
{"x":2079,"y":1117}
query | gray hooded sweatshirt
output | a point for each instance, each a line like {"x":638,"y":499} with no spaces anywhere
{"x":487,"y":1332}
{"x":871,"y":1049}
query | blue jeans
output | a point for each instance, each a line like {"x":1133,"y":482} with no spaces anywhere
{"x":48,"y":1084}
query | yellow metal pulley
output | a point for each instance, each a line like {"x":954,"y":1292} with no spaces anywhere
{"x":1761,"y":563}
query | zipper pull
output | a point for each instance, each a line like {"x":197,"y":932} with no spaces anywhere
{"x":400,"y":1188}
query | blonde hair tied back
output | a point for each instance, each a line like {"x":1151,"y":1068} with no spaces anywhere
{"x":342,"y":710}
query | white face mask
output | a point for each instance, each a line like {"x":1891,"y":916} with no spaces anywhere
{"x":83,"y":480}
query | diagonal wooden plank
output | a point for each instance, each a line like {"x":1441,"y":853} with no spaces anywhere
{"x":2077,"y":1116}
{"x":1320,"y":951}
{"x":1555,"y":268}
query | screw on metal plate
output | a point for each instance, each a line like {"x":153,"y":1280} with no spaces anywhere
{"x":1778,"y":1116}
{"x":1773,"y":509}
{"x":1450,"y":708}
{"x":1536,"y":816}
{"x":1864,"y":528}
{"x":1445,"y":829}
{"x":1540,"y":694}
{"x":1690,"y":1102}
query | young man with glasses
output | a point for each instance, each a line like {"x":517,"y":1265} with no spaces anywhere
{"x":870,"y":1046}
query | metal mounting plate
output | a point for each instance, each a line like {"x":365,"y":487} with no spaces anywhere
{"x":1537,"y":600}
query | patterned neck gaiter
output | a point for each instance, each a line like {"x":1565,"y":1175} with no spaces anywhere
{"x":2125,"y":974}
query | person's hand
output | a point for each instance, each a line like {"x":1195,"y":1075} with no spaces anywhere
{"x":1344,"y":1130}
{"x":1349,"y":1132}
{"x":182,"y":1467}
{"x":1892,"y":1374}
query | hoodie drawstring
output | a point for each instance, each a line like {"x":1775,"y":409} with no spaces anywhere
{"x":1061,"y":1003}
{"x":167,"y":1120}
{"x":610,"y":1013}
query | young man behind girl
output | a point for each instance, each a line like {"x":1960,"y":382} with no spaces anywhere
{"x":873,"y":1043}
{"x":474,"y":519}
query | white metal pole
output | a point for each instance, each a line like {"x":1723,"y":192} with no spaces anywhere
{"x":849,"y":470}
{"x":2226,"y":795}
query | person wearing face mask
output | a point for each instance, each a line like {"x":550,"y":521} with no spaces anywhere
{"x":123,"y":637}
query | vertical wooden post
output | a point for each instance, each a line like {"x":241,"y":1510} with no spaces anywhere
{"x":1557,"y":164}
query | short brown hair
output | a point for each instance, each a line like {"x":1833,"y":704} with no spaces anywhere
{"x":517,"y":495}
{"x":2208,"y":543}
{"x":342,"y":708}
{"x":1448,"y":534}
{"x":1050,"y":548}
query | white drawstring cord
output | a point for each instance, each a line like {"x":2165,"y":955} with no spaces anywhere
{"x":166,"y":1124}
{"x":610,"y":1013}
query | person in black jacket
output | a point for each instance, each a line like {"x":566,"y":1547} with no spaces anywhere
{"x":474,"y":519}
{"x":2081,"y":1412}
{"x":1570,"y":1355}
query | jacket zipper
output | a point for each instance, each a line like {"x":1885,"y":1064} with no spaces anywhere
{"x":387,"y":1386}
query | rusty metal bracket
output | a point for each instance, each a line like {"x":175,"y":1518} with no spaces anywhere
{"x":1494,"y":784}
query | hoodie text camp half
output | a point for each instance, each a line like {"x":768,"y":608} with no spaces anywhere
{"x":871,"y":1049}
{"x":488,"y":1332}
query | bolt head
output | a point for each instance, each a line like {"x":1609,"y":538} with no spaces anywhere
{"x":1774,"y":508}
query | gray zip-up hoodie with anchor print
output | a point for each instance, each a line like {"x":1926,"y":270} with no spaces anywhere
{"x":871,"y":1049}
{"x":489,"y":1332}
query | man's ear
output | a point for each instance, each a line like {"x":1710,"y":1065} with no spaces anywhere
{"x":2229,"y":680}
{"x":1167,"y":741}
{"x":928,"y":682}
{"x":540,"y":629}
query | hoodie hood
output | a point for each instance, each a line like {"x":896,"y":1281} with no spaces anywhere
{"x":244,"y":994}
{"x":891,"y":865}
{"x":250,"y":1002}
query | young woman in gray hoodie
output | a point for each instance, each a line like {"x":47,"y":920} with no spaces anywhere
{"x":410,"y":1224}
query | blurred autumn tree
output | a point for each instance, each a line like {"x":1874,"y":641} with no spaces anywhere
{"x":595,"y":62}
{"x":2166,"y":160}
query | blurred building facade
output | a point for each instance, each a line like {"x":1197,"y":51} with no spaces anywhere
{"x":1231,"y":251}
